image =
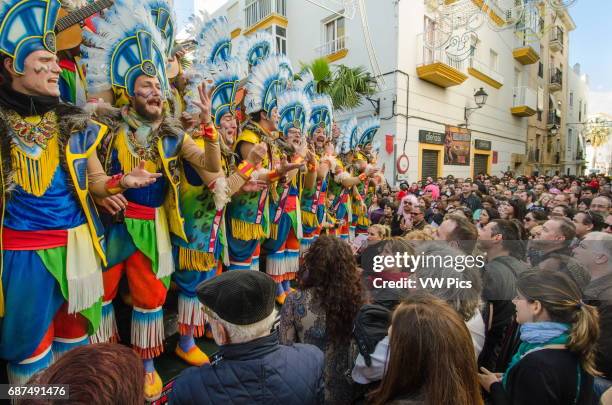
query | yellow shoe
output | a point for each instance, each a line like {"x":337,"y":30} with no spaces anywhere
{"x":153,"y":386}
{"x":194,"y":356}
{"x":280,"y":299}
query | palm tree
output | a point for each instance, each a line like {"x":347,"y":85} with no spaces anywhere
{"x":345,"y":85}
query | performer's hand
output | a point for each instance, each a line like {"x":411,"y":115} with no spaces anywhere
{"x":113,"y":204}
{"x":253,"y":186}
{"x":205,"y":103}
{"x":285,"y":167}
{"x":139,"y":177}
{"x":188,"y":121}
{"x":257,"y":154}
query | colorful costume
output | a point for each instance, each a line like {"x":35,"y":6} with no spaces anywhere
{"x":52,"y":240}
{"x":248,"y":213}
{"x":282,"y":248}
{"x":129,"y":43}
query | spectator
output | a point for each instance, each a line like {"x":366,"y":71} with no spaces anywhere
{"x":374,"y":205}
{"x":488,"y":202}
{"x":553,"y":245}
{"x":538,"y":190}
{"x":429,"y":364}
{"x":486,"y":216}
{"x":403,"y":191}
{"x":588,"y":192}
{"x":500,"y":241}
{"x":97,"y":374}
{"x":608,"y":224}
{"x":595,"y":251}
{"x":379,"y":212}
{"x":561,"y":211}
{"x":321,"y":312}
{"x":586,"y":222}
{"x":554,"y":363}
{"x":459,"y":232}
{"x":239,"y":306}
{"x":584,"y":204}
{"x":601,"y":205}
{"x":378,"y":232}
{"x":512,"y":209}
{"x":534,"y":218}
{"x":528,"y":198}
{"x":418,"y":219}
{"x":468,"y":198}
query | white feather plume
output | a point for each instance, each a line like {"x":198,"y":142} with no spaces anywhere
{"x":366,"y":126}
{"x":260,"y":79}
{"x":250,"y":42}
{"x":208,"y":33}
{"x":288,"y":99}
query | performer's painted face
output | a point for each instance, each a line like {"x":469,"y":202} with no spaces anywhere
{"x":275,"y":117}
{"x":147,"y":99}
{"x":320,"y":137}
{"x":228,"y":129}
{"x":335,"y":131}
{"x":40,"y":75}
{"x":294,"y":137}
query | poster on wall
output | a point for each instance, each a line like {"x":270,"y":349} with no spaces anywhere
{"x":457,"y":146}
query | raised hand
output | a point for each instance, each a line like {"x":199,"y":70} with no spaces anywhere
{"x":257,"y":154}
{"x":284,"y":167}
{"x":139,"y":177}
{"x":254,"y":185}
{"x":205,"y":103}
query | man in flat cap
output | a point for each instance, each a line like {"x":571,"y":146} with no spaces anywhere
{"x":251,"y":366}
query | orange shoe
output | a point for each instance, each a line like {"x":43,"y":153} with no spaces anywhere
{"x":194,"y":356}
{"x":153,"y":386}
{"x":280,"y":299}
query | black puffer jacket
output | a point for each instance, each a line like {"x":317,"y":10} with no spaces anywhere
{"x":257,"y":372}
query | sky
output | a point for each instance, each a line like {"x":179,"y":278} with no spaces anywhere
{"x":184,"y":8}
{"x":591,"y":46}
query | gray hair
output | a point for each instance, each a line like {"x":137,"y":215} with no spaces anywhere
{"x":245,"y":333}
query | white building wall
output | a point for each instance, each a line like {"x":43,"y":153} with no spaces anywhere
{"x":577,"y":110}
{"x":395,"y":26}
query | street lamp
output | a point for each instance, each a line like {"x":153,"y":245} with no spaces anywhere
{"x":554,"y":130}
{"x":480,"y":98}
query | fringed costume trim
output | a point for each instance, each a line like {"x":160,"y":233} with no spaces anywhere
{"x":35,"y":174}
{"x":20,"y":373}
{"x":148,"y":332}
{"x":61,"y":346}
{"x":196,"y":260}
{"x":107,"y":332}
{"x":246,"y":231}
{"x":190,"y":316}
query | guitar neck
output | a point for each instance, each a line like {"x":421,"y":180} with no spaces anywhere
{"x":81,"y":14}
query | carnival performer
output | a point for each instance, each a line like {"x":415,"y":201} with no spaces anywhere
{"x":129,"y":44}
{"x":282,"y":248}
{"x":197,"y":258}
{"x":247,"y":215}
{"x":52,"y":239}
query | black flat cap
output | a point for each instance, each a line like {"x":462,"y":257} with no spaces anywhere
{"x":241,"y":297}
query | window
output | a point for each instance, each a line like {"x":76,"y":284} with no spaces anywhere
{"x":571,"y":99}
{"x":579,"y":110}
{"x":281,"y":39}
{"x":493,"y":60}
{"x":335,"y":39}
{"x":517,"y":78}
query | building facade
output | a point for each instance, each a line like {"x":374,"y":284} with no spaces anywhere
{"x":423,"y":90}
{"x":577,"y":113}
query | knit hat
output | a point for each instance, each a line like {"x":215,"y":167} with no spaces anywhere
{"x":241,"y":297}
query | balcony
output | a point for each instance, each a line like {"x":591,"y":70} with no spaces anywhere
{"x":556,"y":40}
{"x":525,"y":102}
{"x":486,"y":74}
{"x":555,"y":83}
{"x":434,"y":65}
{"x":526,"y":46}
{"x":259,"y":14}
{"x":333,"y":50}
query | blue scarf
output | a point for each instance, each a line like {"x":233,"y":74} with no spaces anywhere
{"x":535,"y":335}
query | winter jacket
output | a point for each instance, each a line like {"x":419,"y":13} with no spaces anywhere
{"x":258,"y":372}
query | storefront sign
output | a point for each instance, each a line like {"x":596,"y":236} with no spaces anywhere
{"x":436,"y":138}
{"x":457,"y":146}
{"x":482,"y":144}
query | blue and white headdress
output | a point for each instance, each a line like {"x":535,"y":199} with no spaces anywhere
{"x":257,"y":47}
{"x":321,"y":115}
{"x":266,"y":80}
{"x":127,"y":44}
{"x":347,"y":140}
{"x":293,"y":111}
{"x":307,"y":83}
{"x":27,"y":26}
{"x":367,"y":130}
{"x":225,"y":79}
{"x":212,"y":37}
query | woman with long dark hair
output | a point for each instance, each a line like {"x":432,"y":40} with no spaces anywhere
{"x":431,"y":357}
{"x":555,"y":362}
{"x":322,"y":310}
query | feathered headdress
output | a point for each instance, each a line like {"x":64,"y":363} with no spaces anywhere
{"x":163,"y":17}
{"x":348,"y":133}
{"x":126,"y":45}
{"x":225,"y":79}
{"x":367,"y":130}
{"x":293,"y":111}
{"x":212,"y":36}
{"x":265,"y":81}
{"x":307,"y":83}
{"x":257,"y":47}
{"x":27,"y":26}
{"x":321,"y":115}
